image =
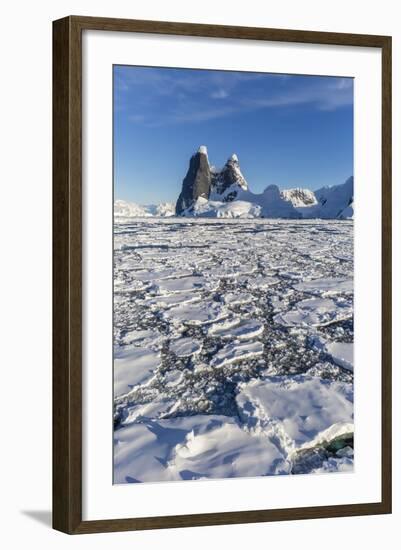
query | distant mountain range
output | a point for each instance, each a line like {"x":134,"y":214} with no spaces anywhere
{"x":123,"y":209}
{"x":209,"y":192}
{"x":299,"y":197}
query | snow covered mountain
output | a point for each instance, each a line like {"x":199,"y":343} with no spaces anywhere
{"x":271,"y":203}
{"x":207,"y":182}
{"x":205,"y":208}
{"x":208,"y":192}
{"x":161,"y":210}
{"x":299,"y":197}
{"x":124,"y":209}
{"x":213,"y":193}
{"x":336,"y":202}
{"x":227,"y":182}
{"x":268,"y":204}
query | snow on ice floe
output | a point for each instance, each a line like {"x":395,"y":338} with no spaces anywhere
{"x":196,"y":314}
{"x":171,"y":300}
{"x":195,"y":447}
{"x":236,"y":299}
{"x":153,"y":409}
{"x":183,"y":284}
{"x":173,"y":378}
{"x":144,"y":338}
{"x":342,"y":354}
{"x":262,"y":282}
{"x":315,"y":312}
{"x":230,"y":271}
{"x":232,"y":353}
{"x":185,"y":347}
{"x":222,"y":327}
{"x":326,"y":287}
{"x":238,"y":329}
{"x":134,"y":366}
{"x":301,"y":411}
{"x":148,"y":276}
{"x":213,"y":318}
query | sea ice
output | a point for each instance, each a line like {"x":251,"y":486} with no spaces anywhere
{"x":183,"y":284}
{"x":134,"y":366}
{"x":315,"y":312}
{"x":342,"y":354}
{"x":185,"y":347}
{"x":298,"y":410}
{"x":240,"y":330}
{"x":232,"y":353}
{"x":223,"y":327}
{"x":196,"y":314}
{"x":144,"y":338}
{"x":194,"y":447}
{"x":236,"y":299}
{"x":326,"y":287}
{"x":261,"y":310}
{"x":171,"y":273}
{"x":171,"y":300}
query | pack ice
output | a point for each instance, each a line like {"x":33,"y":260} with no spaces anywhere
{"x":233,"y":347}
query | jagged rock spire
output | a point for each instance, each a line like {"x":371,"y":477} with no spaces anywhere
{"x":196,"y":182}
{"x":229,"y":181}
{"x":202,"y":181}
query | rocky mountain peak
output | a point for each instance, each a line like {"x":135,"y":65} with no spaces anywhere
{"x":197,"y":181}
{"x":299,"y":197}
{"x":207,"y":191}
{"x":229,"y":181}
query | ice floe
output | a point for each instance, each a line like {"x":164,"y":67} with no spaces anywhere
{"x":342,"y":354}
{"x":236,"y":299}
{"x":231,"y":353}
{"x":326,"y":287}
{"x":183,"y":284}
{"x":196,"y":314}
{"x":300,"y":411}
{"x":240,"y":329}
{"x":185,"y":347}
{"x":195,"y":447}
{"x":144,"y":338}
{"x":171,"y":300}
{"x":316,"y":312}
{"x":134,"y":366}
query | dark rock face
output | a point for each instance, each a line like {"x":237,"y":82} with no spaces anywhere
{"x":196,"y":183}
{"x":229,"y":180}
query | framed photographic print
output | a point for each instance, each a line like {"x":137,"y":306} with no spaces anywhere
{"x":222,"y":274}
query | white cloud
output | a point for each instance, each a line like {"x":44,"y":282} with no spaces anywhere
{"x":175,"y":96}
{"x":219,"y":94}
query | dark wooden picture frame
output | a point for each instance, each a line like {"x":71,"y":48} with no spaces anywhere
{"x":67,"y":274}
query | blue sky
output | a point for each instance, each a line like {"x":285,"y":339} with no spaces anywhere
{"x":288,"y":130}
